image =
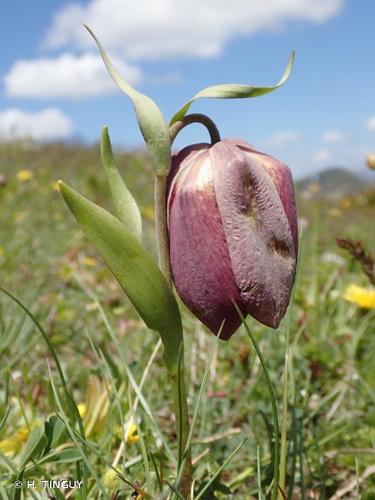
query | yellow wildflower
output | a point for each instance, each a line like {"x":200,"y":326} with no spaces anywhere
{"x":131,"y":435}
{"x":24,"y":175}
{"x":90,"y":261}
{"x":81,"y":409}
{"x":111,"y":479}
{"x":363,"y":297}
{"x":95,"y":407}
{"x":13,"y":444}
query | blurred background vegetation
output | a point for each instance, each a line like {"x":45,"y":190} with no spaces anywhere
{"x":46,"y":261}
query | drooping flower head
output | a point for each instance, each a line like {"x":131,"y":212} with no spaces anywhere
{"x":232,"y":233}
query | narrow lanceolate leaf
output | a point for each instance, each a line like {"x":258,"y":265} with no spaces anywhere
{"x":134,"y":269}
{"x":126,"y":206}
{"x":150,"y":119}
{"x":233,"y":91}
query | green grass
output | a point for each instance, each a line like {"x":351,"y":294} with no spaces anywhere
{"x":109,"y":361}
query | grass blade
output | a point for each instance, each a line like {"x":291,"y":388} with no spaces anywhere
{"x":218,"y":472}
{"x":273,"y":403}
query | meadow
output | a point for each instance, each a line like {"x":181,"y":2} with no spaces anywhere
{"x":77,"y":333}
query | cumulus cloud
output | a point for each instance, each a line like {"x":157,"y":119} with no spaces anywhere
{"x":370,"y":124}
{"x":65,"y":76}
{"x":321,"y":157}
{"x":333,"y":136}
{"x":284,"y":138}
{"x":46,"y":125}
{"x":169,"y":28}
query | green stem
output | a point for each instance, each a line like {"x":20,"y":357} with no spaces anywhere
{"x":182,"y":418}
{"x":160,"y":198}
{"x":274,"y":415}
{"x":176,"y":377}
{"x":195,"y":118}
{"x":276,"y":430}
{"x":285,"y":417}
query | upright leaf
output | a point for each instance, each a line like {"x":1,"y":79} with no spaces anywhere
{"x":150,"y":119}
{"x":126,"y":206}
{"x":34,"y":446}
{"x":134,"y":269}
{"x":233,"y":91}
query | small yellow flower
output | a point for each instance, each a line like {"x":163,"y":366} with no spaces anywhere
{"x":131,"y":435}
{"x":363,"y":297}
{"x":24,"y":175}
{"x":13,"y":444}
{"x":90,"y":261}
{"x":81,"y":409}
{"x":94,"y":410}
{"x":111,"y":479}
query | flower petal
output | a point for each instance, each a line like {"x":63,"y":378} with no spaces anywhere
{"x":257,"y":232}
{"x":282,"y":178}
{"x":201,"y":267}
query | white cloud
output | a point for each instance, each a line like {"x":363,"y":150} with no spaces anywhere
{"x":168,"y":28}
{"x":283,"y":139}
{"x":64,"y":76}
{"x":321,"y":157}
{"x":48,"y":124}
{"x":333,"y":136}
{"x":370,"y":124}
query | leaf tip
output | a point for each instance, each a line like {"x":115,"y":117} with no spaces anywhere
{"x":91,"y":33}
{"x":105,"y":134}
{"x":64,"y":189}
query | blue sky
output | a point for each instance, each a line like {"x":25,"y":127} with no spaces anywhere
{"x":53,"y":84}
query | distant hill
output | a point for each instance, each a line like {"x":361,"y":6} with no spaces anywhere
{"x":335,"y":182}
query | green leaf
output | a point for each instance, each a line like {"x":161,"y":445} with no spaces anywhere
{"x":54,"y":429}
{"x":150,"y":119}
{"x":34,"y":446}
{"x":62,"y":456}
{"x":134,"y":269}
{"x":233,"y":91}
{"x":126,"y":206}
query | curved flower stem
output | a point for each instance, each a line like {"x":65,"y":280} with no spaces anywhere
{"x":195,"y":118}
{"x":177,"y":377}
